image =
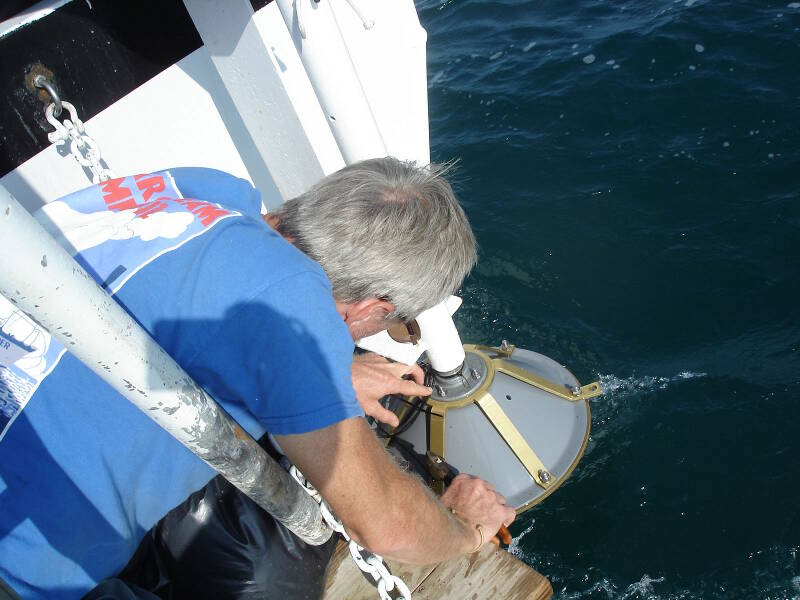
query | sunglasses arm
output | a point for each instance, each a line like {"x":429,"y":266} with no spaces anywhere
{"x":438,"y":337}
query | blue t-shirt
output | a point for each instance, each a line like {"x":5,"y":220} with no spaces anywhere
{"x":83,"y":473}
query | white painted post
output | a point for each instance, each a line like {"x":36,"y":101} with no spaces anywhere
{"x":46,"y":283}
{"x":242,"y":60}
{"x":336,"y":83}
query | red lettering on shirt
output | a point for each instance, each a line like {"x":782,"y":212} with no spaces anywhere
{"x":192,"y":205}
{"x":114,"y":192}
{"x":144,"y":210}
{"x":150,"y":186}
{"x":209,"y":213}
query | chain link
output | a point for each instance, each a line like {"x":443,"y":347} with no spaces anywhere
{"x":370,"y":563}
{"x":82,"y":147}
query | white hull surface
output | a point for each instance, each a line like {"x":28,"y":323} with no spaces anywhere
{"x":244,"y":103}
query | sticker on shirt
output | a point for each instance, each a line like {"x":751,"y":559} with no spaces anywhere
{"x":117,"y":227}
{"x":112,"y":229}
{"x":27,"y":355}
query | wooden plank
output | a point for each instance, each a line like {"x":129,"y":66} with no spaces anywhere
{"x":490,"y":573}
{"x":346,"y":582}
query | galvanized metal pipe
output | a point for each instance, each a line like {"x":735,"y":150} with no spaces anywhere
{"x":46,"y":283}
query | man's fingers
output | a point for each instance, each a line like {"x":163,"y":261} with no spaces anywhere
{"x":416,"y":372}
{"x":383,"y":415}
{"x":410,"y":388}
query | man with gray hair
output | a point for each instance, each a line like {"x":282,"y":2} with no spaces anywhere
{"x":269,"y":333}
{"x":394,"y":241}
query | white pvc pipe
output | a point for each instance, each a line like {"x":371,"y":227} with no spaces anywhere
{"x":330,"y":69}
{"x":45,"y":282}
{"x":440,"y":336}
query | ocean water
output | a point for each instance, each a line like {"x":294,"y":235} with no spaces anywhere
{"x":632,"y":170}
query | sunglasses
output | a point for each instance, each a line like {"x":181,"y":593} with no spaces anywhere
{"x":406,"y":332}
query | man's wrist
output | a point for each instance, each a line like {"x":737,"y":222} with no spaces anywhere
{"x":472,"y":536}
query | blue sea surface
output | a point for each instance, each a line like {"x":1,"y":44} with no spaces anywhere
{"x":632,"y":173}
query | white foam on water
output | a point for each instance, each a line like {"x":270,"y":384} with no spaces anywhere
{"x":796,"y":580}
{"x":726,"y":144}
{"x":610,"y":62}
{"x":699,"y":48}
{"x":529,"y":46}
{"x":642,"y":588}
{"x":793,"y":5}
{"x":496,"y":55}
{"x":690,"y":2}
{"x":589,"y":59}
{"x":617,"y":386}
{"x":514,"y":548}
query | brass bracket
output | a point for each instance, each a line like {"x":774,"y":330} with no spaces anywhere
{"x":512,"y":436}
{"x":436,"y":441}
{"x":504,"y":351}
{"x":573,"y":395}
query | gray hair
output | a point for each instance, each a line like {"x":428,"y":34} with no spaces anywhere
{"x":384,"y":228}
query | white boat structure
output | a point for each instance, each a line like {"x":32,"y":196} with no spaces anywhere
{"x":281,"y":94}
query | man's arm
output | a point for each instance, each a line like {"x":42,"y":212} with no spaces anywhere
{"x":387,"y":510}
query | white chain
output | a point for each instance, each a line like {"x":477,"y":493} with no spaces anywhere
{"x":367,"y":561}
{"x":82,"y":147}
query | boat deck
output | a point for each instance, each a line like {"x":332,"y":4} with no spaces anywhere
{"x":490,"y":573}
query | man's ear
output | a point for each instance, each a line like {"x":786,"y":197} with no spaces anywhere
{"x":365,"y":317}
{"x":369,"y":309}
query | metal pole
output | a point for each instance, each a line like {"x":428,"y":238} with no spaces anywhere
{"x":45,"y":282}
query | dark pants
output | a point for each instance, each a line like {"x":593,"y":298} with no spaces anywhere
{"x":219,"y":544}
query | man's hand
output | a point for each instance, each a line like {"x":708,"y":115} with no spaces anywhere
{"x":474,"y":500}
{"x":385,"y":509}
{"x":375,"y":377}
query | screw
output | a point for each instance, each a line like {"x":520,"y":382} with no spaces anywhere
{"x":545,"y":476}
{"x":440,"y":391}
{"x":504,"y":345}
{"x":576,"y":390}
{"x":475,"y":374}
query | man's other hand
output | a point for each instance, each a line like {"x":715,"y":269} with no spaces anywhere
{"x":375,"y":377}
{"x":474,"y":500}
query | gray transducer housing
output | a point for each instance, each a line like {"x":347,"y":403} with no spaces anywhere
{"x":513,"y":417}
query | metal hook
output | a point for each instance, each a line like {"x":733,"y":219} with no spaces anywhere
{"x":41,"y":82}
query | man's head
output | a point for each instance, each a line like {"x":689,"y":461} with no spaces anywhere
{"x":391,"y":237}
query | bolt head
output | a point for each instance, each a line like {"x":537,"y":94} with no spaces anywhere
{"x":475,"y":375}
{"x":504,"y":345}
{"x":545,"y":476}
